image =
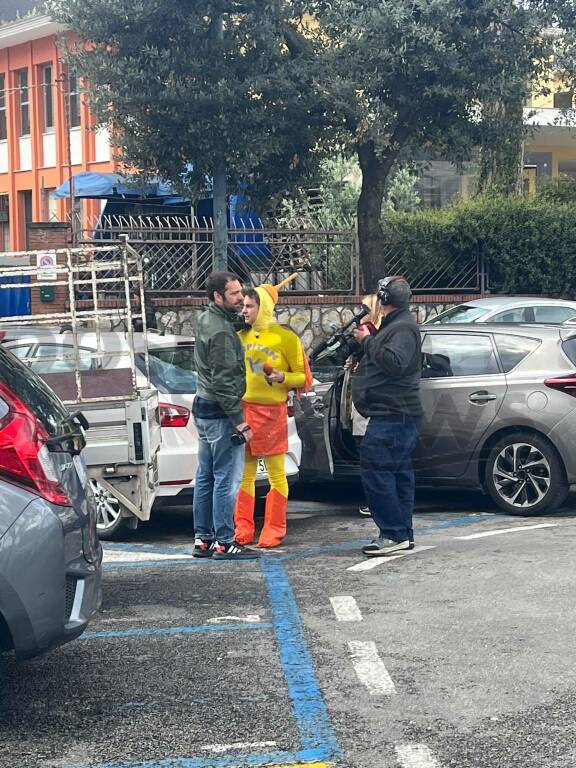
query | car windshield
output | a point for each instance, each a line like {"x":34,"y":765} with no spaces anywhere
{"x":34,"y":393}
{"x":463,"y":313}
{"x":171,"y":370}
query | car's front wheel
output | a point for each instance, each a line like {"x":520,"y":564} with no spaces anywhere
{"x":525,"y":475}
{"x":109,"y":520}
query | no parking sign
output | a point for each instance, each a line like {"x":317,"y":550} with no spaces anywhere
{"x":46,"y":262}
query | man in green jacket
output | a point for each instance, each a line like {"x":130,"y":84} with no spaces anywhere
{"x":218,"y":416}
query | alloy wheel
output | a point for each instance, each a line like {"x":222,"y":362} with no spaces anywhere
{"x":521,"y":475}
{"x":108,"y":509}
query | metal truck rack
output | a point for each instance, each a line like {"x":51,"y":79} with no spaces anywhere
{"x":96,"y":289}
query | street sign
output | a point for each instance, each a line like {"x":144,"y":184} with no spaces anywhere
{"x":47,"y":262}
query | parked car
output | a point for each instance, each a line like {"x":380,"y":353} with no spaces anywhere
{"x":50,"y":556}
{"x":499,"y":414}
{"x":508,"y":309}
{"x":172,"y":372}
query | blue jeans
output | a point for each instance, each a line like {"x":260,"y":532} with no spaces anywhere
{"x":387,"y":474}
{"x":218,"y":477}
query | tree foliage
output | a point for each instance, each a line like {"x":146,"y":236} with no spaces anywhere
{"x":177,"y":94}
{"x":526,"y":242}
{"x":291,"y":78}
{"x":426,"y":75}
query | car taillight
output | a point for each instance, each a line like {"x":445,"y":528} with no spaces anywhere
{"x":173,"y":415}
{"x":566,"y":384}
{"x":24,"y":456}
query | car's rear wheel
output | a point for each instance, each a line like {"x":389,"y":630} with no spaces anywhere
{"x":525,"y":475}
{"x":109,"y":521}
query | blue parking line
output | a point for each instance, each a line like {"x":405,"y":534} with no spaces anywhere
{"x":227,"y":761}
{"x":312,"y":719}
{"x":147,"y":631}
{"x":424,"y":530}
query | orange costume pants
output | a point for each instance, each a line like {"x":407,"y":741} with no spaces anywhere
{"x":274,"y":528}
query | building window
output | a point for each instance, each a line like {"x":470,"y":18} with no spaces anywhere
{"x":563,"y":100}
{"x":47,"y":102}
{"x":22,"y":82}
{"x":3,"y":133}
{"x":49,"y":205}
{"x":73,"y":101}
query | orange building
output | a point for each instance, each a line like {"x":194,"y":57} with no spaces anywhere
{"x":46,"y":130}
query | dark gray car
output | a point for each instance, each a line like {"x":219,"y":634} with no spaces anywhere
{"x":499,"y":414}
{"x":50,"y":557}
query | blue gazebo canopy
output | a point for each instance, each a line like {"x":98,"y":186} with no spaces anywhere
{"x":111,"y":185}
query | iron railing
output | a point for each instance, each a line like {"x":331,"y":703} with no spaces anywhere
{"x":178,"y":252}
{"x":178,"y":255}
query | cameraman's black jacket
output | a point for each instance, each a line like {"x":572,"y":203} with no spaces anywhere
{"x":387,"y":381}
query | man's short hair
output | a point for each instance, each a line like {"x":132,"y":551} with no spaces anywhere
{"x":252,"y":293}
{"x":217,"y":283}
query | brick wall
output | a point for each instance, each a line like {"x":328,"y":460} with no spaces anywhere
{"x":44,"y":237}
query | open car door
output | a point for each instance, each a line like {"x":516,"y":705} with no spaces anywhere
{"x":312,"y":415}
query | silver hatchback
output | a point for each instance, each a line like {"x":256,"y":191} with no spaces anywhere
{"x":499,"y":414}
{"x":50,"y":556}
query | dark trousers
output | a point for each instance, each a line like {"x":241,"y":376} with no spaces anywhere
{"x":387,"y":474}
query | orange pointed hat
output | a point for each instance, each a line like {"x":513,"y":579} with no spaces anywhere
{"x":273,"y":290}
{"x":268,"y":295}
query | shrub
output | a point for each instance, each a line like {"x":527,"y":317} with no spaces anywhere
{"x":529,"y":244}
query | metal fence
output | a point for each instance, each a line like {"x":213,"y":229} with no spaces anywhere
{"x":445,"y":276}
{"x":178,"y":252}
{"x":178,"y":255}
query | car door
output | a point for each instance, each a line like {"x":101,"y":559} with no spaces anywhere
{"x":462,"y":390}
{"x":315,"y":413}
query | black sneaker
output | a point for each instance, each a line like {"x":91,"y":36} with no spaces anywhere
{"x":231,"y":550}
{"x":382,"y":547}
{"x":203,"y":547}
{"x":364,"y":510}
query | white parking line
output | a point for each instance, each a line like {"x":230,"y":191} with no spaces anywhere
{"x":499,"y":531}
{"x":220,"y":748}
{"x":416,"y":756}
{"x":121,"y":556}
{"x":346,"y":608}
{"x":373,"y":562}
{"x":370,"y":668}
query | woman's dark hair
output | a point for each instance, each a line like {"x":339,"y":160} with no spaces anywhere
{"x":217,"y":283}
{"x":252,"y":293}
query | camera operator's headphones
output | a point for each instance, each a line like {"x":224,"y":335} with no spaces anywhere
{"x":384,"y":293}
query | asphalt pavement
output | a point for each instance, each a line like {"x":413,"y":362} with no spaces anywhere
{"x":456,"y":655}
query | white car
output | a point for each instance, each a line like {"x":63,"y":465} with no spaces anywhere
{"x":172,"y":373}
{"x":508,"y":309}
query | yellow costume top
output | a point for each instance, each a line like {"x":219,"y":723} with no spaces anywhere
{"x":268,"y":342}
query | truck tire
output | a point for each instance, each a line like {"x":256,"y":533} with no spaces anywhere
{"x":110,"y":523}
{"x":525,"y":475}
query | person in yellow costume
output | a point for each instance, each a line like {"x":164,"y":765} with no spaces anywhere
{"x":274,"y":365}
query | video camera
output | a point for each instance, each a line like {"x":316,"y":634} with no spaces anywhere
{"x":238,"y":437}
{"x":341,"y":337}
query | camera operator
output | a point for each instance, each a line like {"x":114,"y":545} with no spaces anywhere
{"x":218,"y":416}
{"x":386,"y":389}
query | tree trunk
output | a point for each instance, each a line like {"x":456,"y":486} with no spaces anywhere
{"x":370,"y":233}
{"x":502,"y":158}
{"x":220,"y":217}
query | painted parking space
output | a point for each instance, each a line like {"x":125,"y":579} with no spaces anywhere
{"x":178,"y":639}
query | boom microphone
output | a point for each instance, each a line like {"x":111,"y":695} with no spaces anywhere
{"x":339,"y":335}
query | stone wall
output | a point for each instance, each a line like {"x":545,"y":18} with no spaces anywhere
{"x":311,"y":317}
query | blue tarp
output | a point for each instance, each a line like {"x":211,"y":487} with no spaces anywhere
{"x":107,"y":185}
{"x":14,"y":301}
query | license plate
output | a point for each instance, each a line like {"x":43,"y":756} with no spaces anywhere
{"x":80,"y":469}
{"x":261,"y":467}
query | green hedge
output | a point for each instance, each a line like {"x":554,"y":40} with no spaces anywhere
{"x":529,"y":244}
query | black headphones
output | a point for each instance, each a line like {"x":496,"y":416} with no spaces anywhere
{"x":384,"y":294}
